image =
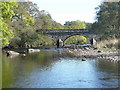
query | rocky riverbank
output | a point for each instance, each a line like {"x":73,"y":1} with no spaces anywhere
{"x":89,"y":52}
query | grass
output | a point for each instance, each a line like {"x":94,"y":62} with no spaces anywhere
{"x":109,"y":45}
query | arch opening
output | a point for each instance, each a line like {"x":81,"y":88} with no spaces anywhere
{"x":76,"y":40}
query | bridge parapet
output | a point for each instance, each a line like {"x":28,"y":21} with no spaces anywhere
{"x":63,"y":31}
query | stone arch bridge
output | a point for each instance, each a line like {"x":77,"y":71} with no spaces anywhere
{"x":63,"y":34}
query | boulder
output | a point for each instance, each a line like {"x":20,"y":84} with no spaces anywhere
{"x":12,"y":53}
{"x":95,"y":48}
{"x":99,"y":51}
{"x":87,"y":48}
{"x":33,"y":50}
{"x":22,"y":54}
{"x":83,"y":59}
{"x":104,"y":46}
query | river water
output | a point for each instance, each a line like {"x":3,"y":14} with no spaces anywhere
{"x":53,"y":68}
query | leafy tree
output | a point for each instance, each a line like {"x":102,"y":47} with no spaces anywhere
{"x":25,"y":33}
{"x":6,"y":13}
{"x":107,"y":19}
{"x":56,"y":25}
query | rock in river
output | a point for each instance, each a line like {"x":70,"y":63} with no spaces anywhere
{"x":12,"y":53}
{"x":83,"y":59}
{"x":33,"y":50}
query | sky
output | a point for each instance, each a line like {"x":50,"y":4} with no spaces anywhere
{"x":69,"y":10}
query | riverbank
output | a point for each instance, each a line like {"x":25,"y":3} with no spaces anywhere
{"x":89,"y":52}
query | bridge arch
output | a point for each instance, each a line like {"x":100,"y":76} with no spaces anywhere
{"x":80,"y":39}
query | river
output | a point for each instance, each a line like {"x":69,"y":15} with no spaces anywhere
{"x":55,"y":68}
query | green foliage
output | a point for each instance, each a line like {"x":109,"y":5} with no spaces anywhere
{"x":29,"y":20}
{"x":5,"y":33}
{"x":75,"y":25}
{"x":25,"y":27}
{"x":11,"y":16}
{"x":6,"y":9}
{"x":44,"y":40}
{"x":46,"y":21}
{"x":77,"y":39}
{"x":107,"y":19}
{"x":88,"y":26}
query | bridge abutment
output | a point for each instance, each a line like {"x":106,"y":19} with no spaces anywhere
{"x":60,"y":43}
{"x":93,"y":41}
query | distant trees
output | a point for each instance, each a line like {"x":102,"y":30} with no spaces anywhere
{"x":107,"y":19}
{"x":88,"y":25}
{"x":75,"y":25}
{"x":46,"y":21}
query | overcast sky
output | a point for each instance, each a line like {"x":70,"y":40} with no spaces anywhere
{"x":69,"y":10}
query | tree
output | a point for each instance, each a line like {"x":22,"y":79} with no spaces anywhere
{"x":25,"y":33}
{"x":88,"y":26}
{"x":107,"y":19}
{"x":75,"y":25}
{"x":21,"y":24}
{"x":7,"y":13}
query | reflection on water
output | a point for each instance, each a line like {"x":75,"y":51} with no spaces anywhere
{"x":58,"y":69}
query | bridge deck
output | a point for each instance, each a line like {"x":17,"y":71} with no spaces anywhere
{"x":63,"y":30}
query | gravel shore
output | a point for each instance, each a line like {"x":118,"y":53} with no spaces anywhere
{"x":95,"y":53}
